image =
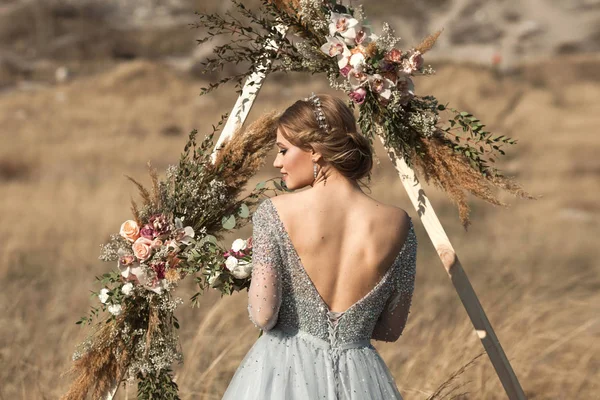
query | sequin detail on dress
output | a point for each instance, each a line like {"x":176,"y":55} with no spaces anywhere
{"x":307,"y":350}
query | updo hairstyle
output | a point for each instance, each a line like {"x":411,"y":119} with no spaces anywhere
{"x":348,"y":151}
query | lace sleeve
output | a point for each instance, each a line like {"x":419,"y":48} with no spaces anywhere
{"x":264,"y":293}
{"x":393,"y":318}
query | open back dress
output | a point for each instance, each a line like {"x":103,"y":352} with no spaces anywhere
{"x":306,"y":350}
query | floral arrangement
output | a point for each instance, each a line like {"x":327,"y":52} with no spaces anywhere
{"x":173,"y":234}
{"x":323,"y":37}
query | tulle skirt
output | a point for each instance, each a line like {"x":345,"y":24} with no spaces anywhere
{"x":299,"y":366}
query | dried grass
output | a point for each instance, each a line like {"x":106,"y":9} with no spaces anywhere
{"x":96,"y":369}
{"x":244,"y":153}
{"x":533,"y":266}
{"x":452,"y":173}
{"x":428,"y":42}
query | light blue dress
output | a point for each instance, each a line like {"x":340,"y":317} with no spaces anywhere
{"x":306,"y":351}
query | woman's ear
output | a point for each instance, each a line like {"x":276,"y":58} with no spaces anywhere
{"x":315,"y":156}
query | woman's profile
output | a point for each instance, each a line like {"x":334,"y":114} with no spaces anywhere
{"x":333,"y":268}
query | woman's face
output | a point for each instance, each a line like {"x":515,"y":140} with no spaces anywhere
{"x":295,"y":164}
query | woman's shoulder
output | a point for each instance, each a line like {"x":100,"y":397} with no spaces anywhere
{"x":393,"y":215}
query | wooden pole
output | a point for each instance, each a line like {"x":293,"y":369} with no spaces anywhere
{"x":459,"y":278}
{"x":245,"y":101}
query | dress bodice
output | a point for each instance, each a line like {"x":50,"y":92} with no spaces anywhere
{"x":283,"y":296}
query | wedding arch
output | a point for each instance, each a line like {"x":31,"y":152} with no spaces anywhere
{"x":175,"y":232}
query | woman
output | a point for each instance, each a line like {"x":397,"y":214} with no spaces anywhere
{"x":333,"y":268}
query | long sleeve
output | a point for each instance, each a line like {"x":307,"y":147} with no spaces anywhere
{"x":393,"y":318}
{"x":264,"y":293}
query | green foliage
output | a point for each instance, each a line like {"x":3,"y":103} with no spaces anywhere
{"x":157,"y":386}
{"x":469,"y":138}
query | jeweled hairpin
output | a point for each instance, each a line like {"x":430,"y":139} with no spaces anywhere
{"x":319,"y":114}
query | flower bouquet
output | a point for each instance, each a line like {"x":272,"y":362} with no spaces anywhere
{"x":172,"y":235}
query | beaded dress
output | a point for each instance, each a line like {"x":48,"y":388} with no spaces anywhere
{"x":307,"y":351}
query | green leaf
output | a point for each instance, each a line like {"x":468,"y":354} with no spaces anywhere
{"x":278,"y":185}
{"x":228,"y":222}
{"x":244,"y":211}
{"x":260,"y":185}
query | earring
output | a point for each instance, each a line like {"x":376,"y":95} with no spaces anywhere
{"x":315,"y":170}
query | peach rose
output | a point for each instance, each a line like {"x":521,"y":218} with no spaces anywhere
{"x":156,"y":243}
{"x":130,"y":230}
{"x":142,"y":248}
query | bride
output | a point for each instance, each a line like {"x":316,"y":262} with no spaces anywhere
{"x":333,"y":268}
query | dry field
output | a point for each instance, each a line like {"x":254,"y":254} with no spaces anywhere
{"x":65,"y":150}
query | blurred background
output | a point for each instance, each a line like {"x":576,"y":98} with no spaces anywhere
{"x":91,"y":90}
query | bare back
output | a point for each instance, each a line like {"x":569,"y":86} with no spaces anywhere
{"x":346,"y":245}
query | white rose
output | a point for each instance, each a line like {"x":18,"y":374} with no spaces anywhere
{"x":242,"y":270}
{"x":103,"y":296}
{"x":115,"y":309}
{"x":231,"y":263}
{"x":127,"y":288}
{"x":238,"y":244}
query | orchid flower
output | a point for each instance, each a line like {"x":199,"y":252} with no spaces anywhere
{"x":336,"y":47}
{"x":343,"y":24}
{"x":381,"y":85}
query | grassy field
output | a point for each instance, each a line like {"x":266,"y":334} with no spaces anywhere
{"x":65,"y":150}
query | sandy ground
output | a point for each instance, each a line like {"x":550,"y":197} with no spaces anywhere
{"x":65,"y":149}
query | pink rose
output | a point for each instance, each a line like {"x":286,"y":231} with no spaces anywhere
{"x":130,"y":230}
{"x":249,"y":243}
{"x":147,"y":231}
{"x":358,"y":96}
{"x":156,"y":243}
{"x":142,"y":248}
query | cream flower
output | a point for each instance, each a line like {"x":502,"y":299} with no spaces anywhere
{"x":238,"y":244}
{"x":156,"y":286}
{"x":172,"y":243}
{"x":340,"y":23}
{"x":127,"y":289}
{"x":364,"y":36}
{"x":337,"y":48}
{"x":183,"y":235}
{"x":103,"y":296}
{"x":357,"y":78}
{"x":142,"y":248}
{"x":405,"y":85}
{"x":188,"y":235}
{"x":357,"y":61}
{"x":413,"y":63}
{"x":242,"y":270}
{"x":344,"y":25}
{"x":130,"y":230}
{"x":231,"y":263}
{"x":115,"y":309}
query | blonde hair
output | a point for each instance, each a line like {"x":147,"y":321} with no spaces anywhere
{"x":342,"y":146}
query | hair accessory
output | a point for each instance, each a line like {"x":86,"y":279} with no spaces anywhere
{"x":319,"y":114}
